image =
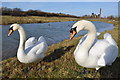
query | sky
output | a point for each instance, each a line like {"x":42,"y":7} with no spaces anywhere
{"x":60,"y":0}
{"x":73,"y":8}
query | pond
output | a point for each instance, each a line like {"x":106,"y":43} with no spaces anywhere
{"x":53,"y":32}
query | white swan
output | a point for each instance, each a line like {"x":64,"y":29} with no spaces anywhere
{"x":32,"y":50}
{"x":91,"y":52}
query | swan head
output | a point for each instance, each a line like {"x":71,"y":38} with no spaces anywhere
{"x":78,"y":26}
{"x":13,"y":28}
{"x":82,"y":25}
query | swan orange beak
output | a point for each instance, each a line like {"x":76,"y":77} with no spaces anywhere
{"x":73,"y":33}
{"x":10,"y":32}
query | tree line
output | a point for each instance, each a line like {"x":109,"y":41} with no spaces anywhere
{"x":20,"y":12}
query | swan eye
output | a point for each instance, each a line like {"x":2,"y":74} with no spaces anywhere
{"x":73,"y":29}
{"x":11,"y":28}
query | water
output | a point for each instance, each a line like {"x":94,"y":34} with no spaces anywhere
{"x":53,"y":32}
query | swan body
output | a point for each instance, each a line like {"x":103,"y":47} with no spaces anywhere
{"x":31,"y":50}
{"x":91,"y":52}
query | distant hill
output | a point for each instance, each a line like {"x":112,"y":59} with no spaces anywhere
{"x":19,"y":12}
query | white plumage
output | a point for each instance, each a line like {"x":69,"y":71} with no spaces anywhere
{"x":91,"y":52}
{"x":31,"y":50}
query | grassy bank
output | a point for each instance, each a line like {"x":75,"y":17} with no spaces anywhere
{"x":34,"y":19}
{"x":37,"y":19}
{"x":59,"y":62}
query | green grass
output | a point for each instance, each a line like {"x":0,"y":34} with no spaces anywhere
{"x":59,"y":62}
{"x":33,"y":19}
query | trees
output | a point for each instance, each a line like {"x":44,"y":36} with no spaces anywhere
{"x":19,"y":12}
{"x":11,"y":12}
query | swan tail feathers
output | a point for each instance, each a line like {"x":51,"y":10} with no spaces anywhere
{"x":107,"y":35}
{"x":109,"y":38}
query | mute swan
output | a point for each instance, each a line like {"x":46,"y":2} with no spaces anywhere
{"x":91,"y":52}
{"x":32,"y":50}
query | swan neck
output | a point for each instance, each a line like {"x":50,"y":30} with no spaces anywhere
{"x":22,"y":38}
{"x":90,"y":38}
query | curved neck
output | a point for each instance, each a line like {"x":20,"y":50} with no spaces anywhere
{"x":89,"y":39}
{"x":81,"y":54}
{"x":22,"y":38}
{"x":87,"y":43}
